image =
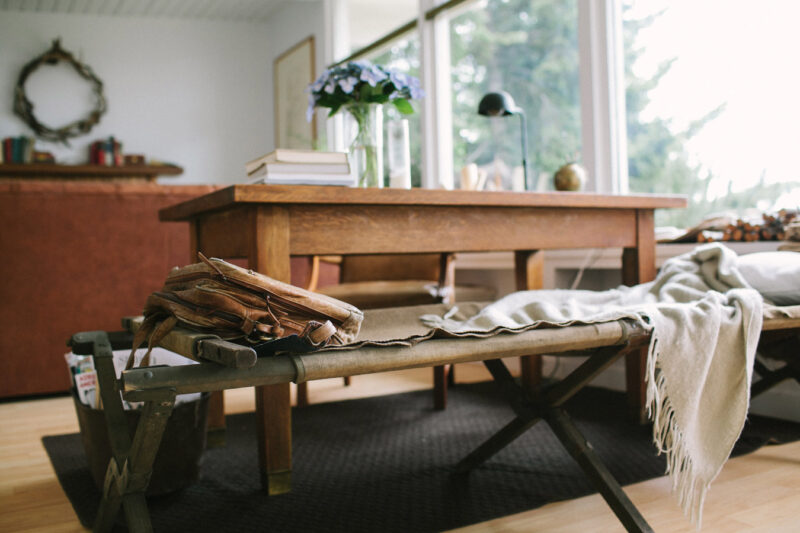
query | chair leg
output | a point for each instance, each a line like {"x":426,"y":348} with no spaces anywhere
{"x":440,"y":387}
{"x":215,"y":434}
{"x":302,"y":394}
{"x":451,"y":376}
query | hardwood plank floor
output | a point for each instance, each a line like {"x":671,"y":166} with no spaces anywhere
{"x":756,"y":493}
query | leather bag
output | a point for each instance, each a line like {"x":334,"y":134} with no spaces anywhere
{"x":238,"y":304}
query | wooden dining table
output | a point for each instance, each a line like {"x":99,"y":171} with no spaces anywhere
{"x":267,"y":224}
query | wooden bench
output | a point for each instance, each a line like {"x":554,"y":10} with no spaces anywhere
{"x":226,"y":366}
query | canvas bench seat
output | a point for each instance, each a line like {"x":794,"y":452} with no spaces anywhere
{"x":384,"y":345}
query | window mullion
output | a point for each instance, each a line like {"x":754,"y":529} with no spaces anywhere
{"x":604,"y":142}
{"x":337,"y":29}
{"x":437,"y":130}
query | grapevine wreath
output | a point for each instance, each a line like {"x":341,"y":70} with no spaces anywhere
{"x":23,"y":107}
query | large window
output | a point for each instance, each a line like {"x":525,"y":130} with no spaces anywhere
{"x":528,"y":48}
{"x":376,"y":32}
{"x":368,"y":21}
{"x":711,"y":103}
{"x":664,"y":96}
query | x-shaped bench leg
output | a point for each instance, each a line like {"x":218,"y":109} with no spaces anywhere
{"x":131,"y":464}
{"x":547,"y":406}
{"x":770,"y":378}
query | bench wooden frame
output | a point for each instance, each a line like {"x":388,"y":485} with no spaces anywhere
{"x":132,"y":458}
{"x":225,"y":365}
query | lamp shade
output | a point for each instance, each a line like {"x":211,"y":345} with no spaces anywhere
{"x":496,"y":104}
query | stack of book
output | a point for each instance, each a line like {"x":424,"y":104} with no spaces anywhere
{"x":18,"y":149}
{"x":300,"y":167}
{"x":21,"y":150}
{"x":106,"y":152}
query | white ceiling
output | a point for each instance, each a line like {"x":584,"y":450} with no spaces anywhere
{"x":242,"y":10}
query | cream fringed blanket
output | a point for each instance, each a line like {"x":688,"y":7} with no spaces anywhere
{"x":705,"y":326}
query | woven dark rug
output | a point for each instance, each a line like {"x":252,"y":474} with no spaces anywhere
{"x":385,"y":464}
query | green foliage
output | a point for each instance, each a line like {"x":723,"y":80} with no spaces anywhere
{"x":528,"y":48}
{"x":658,"y":159}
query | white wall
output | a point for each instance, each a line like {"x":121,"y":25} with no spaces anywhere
{"x":290,"y":25}
{"x":192,"y":92}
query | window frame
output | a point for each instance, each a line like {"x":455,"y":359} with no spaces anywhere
{"x":601,"y":78}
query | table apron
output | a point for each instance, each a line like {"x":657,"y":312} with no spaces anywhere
{"x":362,"y":229}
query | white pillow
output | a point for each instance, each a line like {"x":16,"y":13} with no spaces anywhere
{"x":776,"y":275}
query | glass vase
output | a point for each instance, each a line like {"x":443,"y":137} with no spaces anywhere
{"x":365,"y":127}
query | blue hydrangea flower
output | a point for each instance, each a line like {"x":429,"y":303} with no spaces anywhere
{"x":312,"y":102}
{"x":398,"y":79}
{"x":373,"y":76}
{"x":348,"y":84}
{"x":358,"y":81}
{"x":320,"y":83}
{"x":415,"y":92}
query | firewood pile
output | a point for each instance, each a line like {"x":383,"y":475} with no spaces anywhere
{"x":778,"y":227}
{"x":793,"y":230}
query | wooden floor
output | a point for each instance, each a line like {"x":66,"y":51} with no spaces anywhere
{"x":758,"y":492}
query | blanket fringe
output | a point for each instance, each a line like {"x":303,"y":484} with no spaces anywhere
{"x":686,"y":483}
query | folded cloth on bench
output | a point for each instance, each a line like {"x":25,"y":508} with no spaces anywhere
{"x":705,"y":323}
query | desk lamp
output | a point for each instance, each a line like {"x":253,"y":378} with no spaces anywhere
{"x":501,"y":104}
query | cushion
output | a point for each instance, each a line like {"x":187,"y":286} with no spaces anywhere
{"x":776,"y":275}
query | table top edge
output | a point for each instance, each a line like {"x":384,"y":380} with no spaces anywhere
{"x":301,"y":194}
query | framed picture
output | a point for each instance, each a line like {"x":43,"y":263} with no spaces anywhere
{"x":292,"y":71}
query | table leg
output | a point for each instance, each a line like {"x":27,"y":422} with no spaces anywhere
{"x":269,"y":254}
{"x":274,"y":420}
{"x":529,"y":273}
{"x":639,"y":266}
{"x":216,"y":401}
{"x":441,"y":381}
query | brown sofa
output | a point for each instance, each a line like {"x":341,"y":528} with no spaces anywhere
{"x":77,"y":256}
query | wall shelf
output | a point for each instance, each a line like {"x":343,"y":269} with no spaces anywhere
{"x":51,"y":171}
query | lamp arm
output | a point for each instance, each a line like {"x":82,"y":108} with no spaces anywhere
{"x":524,"y":128}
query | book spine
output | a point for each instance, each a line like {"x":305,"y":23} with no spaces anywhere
{"x":109,"y":152}
{"x":307,"y":168}
{"x":17,"y":150}
{"x":305,"y":179}
{"x":283,"y":155}
{"x":27,"y":156}
{"x":8,"y":149}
